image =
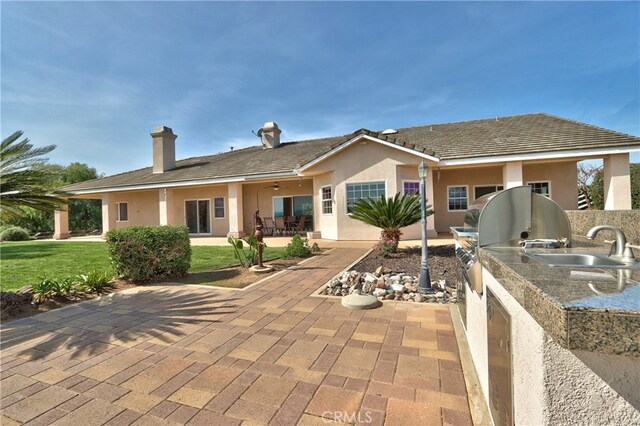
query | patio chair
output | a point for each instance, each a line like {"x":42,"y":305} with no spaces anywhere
{"x":280,"y":225}
{"x":290,"y":222}
{"x":269,"y":226}
{"x":298,"y":227}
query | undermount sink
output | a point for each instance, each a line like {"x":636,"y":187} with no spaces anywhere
{"x":579,"y":260}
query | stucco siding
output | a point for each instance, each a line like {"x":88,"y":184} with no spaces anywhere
{"x":219,"y":226}
{"x":359,"y":163}
{"x":563,"y":177}
{"x":470,"y":177}
{"x":142,"y":208}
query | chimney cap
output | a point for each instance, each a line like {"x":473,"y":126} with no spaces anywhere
{"x":268,"y":125}
{"x":162,"y":129}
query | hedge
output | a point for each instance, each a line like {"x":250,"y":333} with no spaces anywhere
{"x":14,"y":233}
{"x":148,"y":253}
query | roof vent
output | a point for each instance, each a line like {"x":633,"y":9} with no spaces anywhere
{"x":389,"y":132}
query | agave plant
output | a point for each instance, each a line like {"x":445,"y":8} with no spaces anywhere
{"x":22,"y":183}
{"x":389,"y":214}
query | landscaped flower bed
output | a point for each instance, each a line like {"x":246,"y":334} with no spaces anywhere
{"x":397,"y":276}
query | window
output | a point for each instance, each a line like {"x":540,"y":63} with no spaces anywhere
{"x":218,"y":208}
{"x":122,"y":212}
{"x":327,"y":200}
{"x":356,"y":191}
{"x":480,"y":190}
{"x":542,"y":187}
{"x":457,"y":197}
{"x":411,"y":187}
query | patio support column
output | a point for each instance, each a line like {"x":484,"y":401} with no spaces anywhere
{"x":431,"y":223}
{"x":106,"y":216}
{"x":236,"y":219}
{"x":617,"y":182}
{"x":61,"y":224}
{"x":512,"y":174}
{"x":166,"y":206}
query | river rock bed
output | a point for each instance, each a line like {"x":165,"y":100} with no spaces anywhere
{"x":387,"y":285}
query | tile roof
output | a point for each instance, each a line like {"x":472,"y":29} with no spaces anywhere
{"x":520,"y":134}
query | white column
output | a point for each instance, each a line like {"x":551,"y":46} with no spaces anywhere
{"x":166,"y":206}
{"x":617,"y":182}
{"x":106,"y":217}
{"x":236,"y":219}
{"x":431,"y":222}
{"x":512,"y":174}
{"x":61,"y":224}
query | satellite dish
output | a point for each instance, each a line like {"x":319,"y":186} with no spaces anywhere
{"x":389,"y":132}
{"x":258,"y":133}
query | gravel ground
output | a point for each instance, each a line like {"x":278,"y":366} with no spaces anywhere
{"x":442,"y":262}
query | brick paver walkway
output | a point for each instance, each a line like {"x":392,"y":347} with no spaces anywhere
{"x":271,"y":354}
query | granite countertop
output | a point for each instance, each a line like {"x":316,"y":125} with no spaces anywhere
{"x":581,"y":308}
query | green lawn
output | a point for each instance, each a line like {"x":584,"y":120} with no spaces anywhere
{"x":25,"y":262}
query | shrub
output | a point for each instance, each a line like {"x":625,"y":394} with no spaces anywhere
{"x":146,"y":253}
{"x":49,"y":288}
{"x":315,"y":248}
{"x":245,"y":249}
{"x":94,"y":281}
{"x":14,"y":233}
{"x":298,"y":247}
{"x":389,"y":214}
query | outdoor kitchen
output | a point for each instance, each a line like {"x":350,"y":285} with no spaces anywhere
{"x":552,"y":318}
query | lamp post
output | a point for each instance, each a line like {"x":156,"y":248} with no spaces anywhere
{"x":424,"y":285}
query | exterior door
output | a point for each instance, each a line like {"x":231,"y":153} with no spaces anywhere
{"x":198,"y":216}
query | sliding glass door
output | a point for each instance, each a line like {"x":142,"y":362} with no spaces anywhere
{"x":295,"y":205}
{"x":198,"y":216}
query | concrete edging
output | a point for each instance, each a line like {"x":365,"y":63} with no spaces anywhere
{"x":324,"y":285}
{"x":477,"y":405}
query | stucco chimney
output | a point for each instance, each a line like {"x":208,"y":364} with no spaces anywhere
{"x":164,"y":149}
{"x":270,"y":134}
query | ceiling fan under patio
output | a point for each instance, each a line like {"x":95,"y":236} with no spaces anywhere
{"x":276,"y":186}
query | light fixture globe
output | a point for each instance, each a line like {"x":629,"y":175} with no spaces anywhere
{"x":422,"y":170}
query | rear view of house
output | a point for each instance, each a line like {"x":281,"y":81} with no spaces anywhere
{"x":319,"y":180}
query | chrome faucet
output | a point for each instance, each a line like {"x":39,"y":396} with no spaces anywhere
{"x":620,"y":250}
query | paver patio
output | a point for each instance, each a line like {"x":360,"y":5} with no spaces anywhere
{"x":201,"y":356}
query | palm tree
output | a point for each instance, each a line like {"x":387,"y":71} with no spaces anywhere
{"x":389,"y":214}
{"x":22,"y":182}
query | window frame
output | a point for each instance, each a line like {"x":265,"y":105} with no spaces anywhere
{"x":224,"y":208}
{"x":323,"y":200}
{"x":448,"y":198}
{"x":548,"y":182}
{"x":292,"y":196}
{"x":118,"y":219}
{"x":360,"y":182}
{"x":485,"y":186}
{"x":410,"y":181}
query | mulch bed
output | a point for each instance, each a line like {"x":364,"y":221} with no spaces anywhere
{"x":442,"y":262}
{"x":234,"y":276}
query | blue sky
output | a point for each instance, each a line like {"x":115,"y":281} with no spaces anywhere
{"x":95,"y":78}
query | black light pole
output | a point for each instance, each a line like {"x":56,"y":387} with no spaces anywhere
{"x":425,"y":280}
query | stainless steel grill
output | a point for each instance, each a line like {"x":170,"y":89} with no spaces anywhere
{"x":511,"y":218}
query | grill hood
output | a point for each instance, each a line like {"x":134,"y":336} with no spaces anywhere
{"x":506,"y":217}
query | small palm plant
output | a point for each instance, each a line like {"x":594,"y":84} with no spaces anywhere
{"x":22,"y":182}
{"x":389,"y":214}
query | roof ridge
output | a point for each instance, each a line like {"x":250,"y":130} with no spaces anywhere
{"x":471,"y":121}
{"x":587,"y":124}
{"x":220,"y":153}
